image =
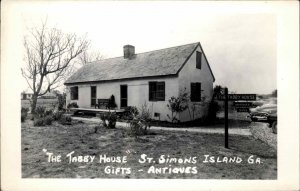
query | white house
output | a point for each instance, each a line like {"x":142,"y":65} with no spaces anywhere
{"x":25,"y":95}
{"x":146,"y":78}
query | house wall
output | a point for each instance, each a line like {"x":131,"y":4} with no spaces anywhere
{"x":138,"y":91}
{"x":190,"y":73}
{"x":138,"y":94}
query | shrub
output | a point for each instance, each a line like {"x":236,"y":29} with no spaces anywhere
{"x":43,"y":121}
{"x":57,"y":115}
{"x":24,"y":112}
{"x":48,"y":112}
{"x":61,"y":101}
{"x":72,"y":105}
{"x":136,"y":128}
{"x":112,"y":102}
{"x":130,"y":112}
{"x":66,"y":120}
{"x":48,"y":120}
{"x":40,"y":111}
{"x":177,"y":105}
{"x":38,"y":122}
{"x":140,"y":124}
{"x":109,"y":119}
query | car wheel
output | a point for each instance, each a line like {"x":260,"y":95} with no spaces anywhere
{"x":253,"y":119}
{"x":274,"y":127}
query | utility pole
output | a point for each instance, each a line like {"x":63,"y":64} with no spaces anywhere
{"x":226,"y":118}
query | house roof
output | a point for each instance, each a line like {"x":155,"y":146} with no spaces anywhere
{"x":164,"y":62}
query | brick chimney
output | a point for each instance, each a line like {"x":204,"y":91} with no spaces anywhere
{"x":128,"y":51}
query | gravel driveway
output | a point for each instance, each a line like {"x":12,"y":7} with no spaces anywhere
{"x":262,"y":132}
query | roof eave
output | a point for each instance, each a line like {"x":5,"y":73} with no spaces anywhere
{"x":122,"y":79}
{"x":207,"y":63}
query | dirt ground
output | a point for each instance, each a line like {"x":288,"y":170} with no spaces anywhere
{"x":80,"y":138}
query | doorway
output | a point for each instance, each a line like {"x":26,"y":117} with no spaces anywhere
{"x":123,"y":96}
{"x":93,"y":96}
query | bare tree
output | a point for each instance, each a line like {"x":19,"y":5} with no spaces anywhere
{"x":88,"y":56}
{"x":49,"y":58}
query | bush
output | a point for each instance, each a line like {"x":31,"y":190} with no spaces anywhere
{"x":38,"y":122}
{"x":140,"y":124}
{"x":57,"y":115}
{"x":43,"y":121}
{"x":109,"y":119}
{"x":48,"y":112}
{"x":137,"y":128}
{"x":130,"y":112}
{"x":61,"y":101}
{"x":65,"y":120}
{"x":72,"y":105}
{"x":24,"y":112}
{"x":43,"y":116}
{"x":177,"y":105}
{"x":112,"y":102}
{"x":48,"y":120}
{"x":40,"y":111}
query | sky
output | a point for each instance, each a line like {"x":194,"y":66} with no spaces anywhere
{"x":240,"y":42}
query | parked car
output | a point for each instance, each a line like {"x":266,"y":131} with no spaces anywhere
{"x":261,"y":113}
{"x":265,"y":113}
{"x":272,"y":120}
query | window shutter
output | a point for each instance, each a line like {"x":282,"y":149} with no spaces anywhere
{"x":151,"y":91}
{"x":160,"y":91}
{"x":198,"y":60}
{"x":193,"y":90}
{"x":200,"y":90}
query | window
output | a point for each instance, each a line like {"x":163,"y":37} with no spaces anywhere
{"x":74,"y":93}
{"x":198,"y":60}
{"x":93,"y":95}
{"x":156,"y":91}
{"x":196,"y":91}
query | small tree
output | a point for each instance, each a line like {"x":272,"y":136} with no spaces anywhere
{"x":61,"y":97}
{"x":49,"y":55}
{"x":88,"y":56}
{"x":141,"y":121}
{"x":177,"y":105}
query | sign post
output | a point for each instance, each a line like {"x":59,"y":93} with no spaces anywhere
{"x":241,"y":107}
{"x":226,"y":118}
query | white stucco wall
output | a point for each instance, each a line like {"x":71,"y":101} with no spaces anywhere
{"x":190,"y":73}
{"x":138,"y":94}
{"x":138,"y":90}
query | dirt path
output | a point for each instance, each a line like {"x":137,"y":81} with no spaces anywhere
{"x":235,"y":131}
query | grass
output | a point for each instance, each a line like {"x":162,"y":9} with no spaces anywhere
{"x":80,"y":137}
